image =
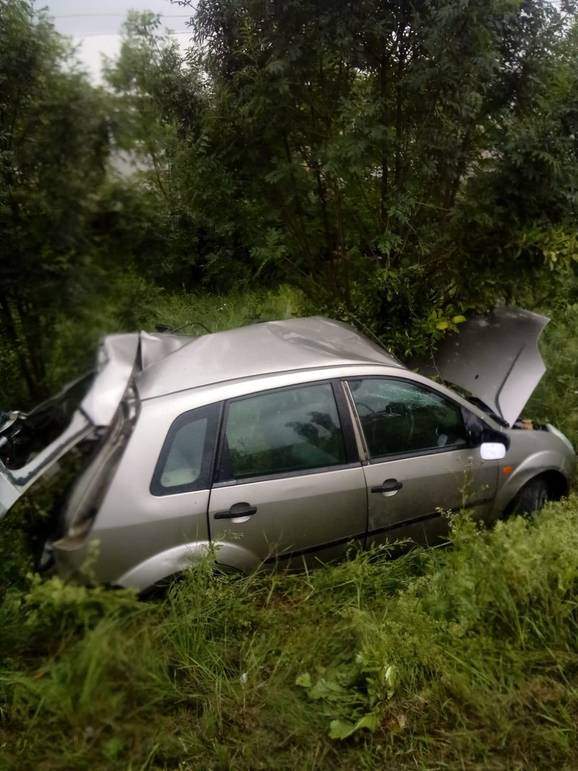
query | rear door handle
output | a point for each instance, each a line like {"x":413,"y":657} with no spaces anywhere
{"x":237,"y":510}
{"x":390,"y":486}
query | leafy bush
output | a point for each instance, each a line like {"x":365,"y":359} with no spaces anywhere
{"x":439,"y":659}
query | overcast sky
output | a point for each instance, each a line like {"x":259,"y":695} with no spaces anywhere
{"x":95,"y":26}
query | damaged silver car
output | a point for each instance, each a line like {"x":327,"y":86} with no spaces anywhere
{"x":284,"y":442}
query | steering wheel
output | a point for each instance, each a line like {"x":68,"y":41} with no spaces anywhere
{"x":401,"y":411}
{"x":367,"y":407}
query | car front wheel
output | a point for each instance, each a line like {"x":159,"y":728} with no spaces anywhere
{"x":530,"y":499}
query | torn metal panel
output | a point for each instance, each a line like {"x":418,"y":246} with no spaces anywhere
{"x":116,"y":361}
{"x":119,"y":359}
{"x":14,"y":483}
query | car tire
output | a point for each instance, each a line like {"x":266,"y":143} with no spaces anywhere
{"x":160,"y":589}
{"x":530,"y":499}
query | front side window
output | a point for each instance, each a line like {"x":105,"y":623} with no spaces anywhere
{"x":399,"y":417}
{"x":283,"y":431}
{"x":186,"y":458}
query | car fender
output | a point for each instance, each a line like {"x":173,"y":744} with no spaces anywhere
{"x":179,"y":558}
{"x":532,"y":466}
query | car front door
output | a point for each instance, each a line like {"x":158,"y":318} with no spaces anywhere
{"x":289,"y":487}
{"x":421,"y":464}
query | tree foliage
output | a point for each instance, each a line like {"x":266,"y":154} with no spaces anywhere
{"x":53,"y":146}
{"x":402,"y":162}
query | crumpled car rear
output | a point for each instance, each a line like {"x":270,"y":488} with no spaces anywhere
{"x":87,"y":410}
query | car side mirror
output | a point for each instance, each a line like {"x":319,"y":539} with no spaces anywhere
{"x":492,"y":450}
{"x":479,"y":433}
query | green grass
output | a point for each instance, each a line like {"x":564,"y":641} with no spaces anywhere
{"x":458,"y":658}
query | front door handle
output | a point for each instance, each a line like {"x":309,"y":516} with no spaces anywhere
{"x":237,"y":510}
{"x":390,"y":486}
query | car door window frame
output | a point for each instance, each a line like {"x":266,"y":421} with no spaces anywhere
{"x":346,"y":425}
{"x":409,"y":453}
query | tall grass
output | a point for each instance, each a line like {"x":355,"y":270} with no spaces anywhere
{"x":461,"y":658}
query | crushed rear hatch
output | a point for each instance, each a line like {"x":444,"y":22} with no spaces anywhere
{"x":31,"y":444}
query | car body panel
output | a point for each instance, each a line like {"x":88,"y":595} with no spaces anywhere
{"x":110,"y":551}
{"x":15,"y":482}
{"x":531,"y":454}
{"x":169,"y":563}
{"x":164,"y":564}
{"x":433,"y":486}
{"x":496,"y":358}
{"x":302,"y":517}
{"x":132,"y":524}
{"x":116,"y":360}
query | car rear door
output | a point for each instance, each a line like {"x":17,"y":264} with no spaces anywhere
{"x":289,"y":486}
{"x":420,"y":463}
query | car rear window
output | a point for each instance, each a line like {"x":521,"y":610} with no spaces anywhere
{"x":186,"y":458}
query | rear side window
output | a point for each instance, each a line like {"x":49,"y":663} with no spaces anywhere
{"x":186,"y":458}
{"x":277,"y":432}
{"x":399,"y":417}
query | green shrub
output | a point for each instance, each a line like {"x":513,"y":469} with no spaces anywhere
{"x":439,"y":659}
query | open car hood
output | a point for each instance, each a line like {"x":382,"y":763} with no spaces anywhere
{"x":119,"y":358}
{"x":495,"y":358}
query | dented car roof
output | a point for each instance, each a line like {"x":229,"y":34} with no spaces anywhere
{"x":258,"y":349}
